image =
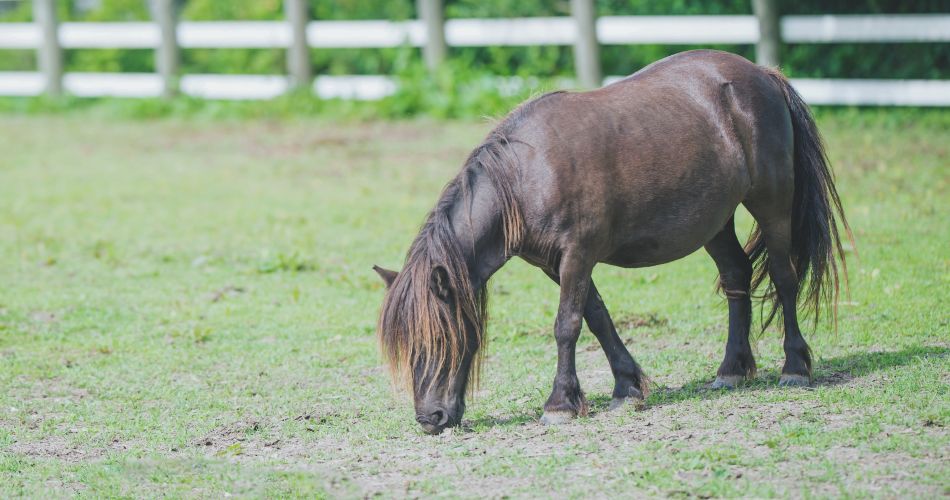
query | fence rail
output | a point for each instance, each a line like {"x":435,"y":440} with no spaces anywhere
{"x":613,"y":30}
{"x":373,"y":87}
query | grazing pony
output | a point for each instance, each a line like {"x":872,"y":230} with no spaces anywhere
{"x":638,"y":173}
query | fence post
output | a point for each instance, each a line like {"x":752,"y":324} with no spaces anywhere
{"x":50,"y":53}
{"x":298,"y":54}
{"x":586,"y":48}
{"x":770,"y":38}
{"x":433,"y":15}
{"x":167,"y":56}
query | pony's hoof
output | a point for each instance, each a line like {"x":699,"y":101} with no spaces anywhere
{"x":635,"y":399}
{"x":789,"y":380}
{"x":635,"y":402}
{"x":726,"y":382}
{"x":556,"y":417}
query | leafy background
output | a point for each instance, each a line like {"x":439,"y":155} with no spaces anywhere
{"x":845,"y":60}
{"x":464,"y":88}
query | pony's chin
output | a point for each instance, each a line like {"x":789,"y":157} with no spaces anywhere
{"x":432,"y":430}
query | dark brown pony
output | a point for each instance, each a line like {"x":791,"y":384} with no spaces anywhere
{"x":638,"y":173}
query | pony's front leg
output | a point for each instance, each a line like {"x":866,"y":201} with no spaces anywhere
{"x":630,"y":383}
{"x":567,"y":400}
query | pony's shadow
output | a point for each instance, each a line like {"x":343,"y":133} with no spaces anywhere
{"x":828,"y":373}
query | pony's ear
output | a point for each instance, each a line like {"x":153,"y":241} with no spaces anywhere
{"x":387,"y":275}
{"x":440,"y":283}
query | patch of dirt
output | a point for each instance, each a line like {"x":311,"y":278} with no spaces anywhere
{"x":227,"y":436}
{"x":44,"y":317}
{"x":502,"y":454}
{"x":29,"y":395}
{"x":486,"y":455}
{"x":226,"y":292}
{"x":587,"y":448}
{"x":60,"y":448}
{"x":251,"y":437}
{"x":631,"y":321}
{"x":887,"y":474}
{"x":57,"y":447}
{"x":52,"y":390}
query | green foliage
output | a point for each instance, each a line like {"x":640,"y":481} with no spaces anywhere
{"x":867,"y":60}
{"x":457,"y":89}
{"x":672,"y":7}
{"x":21,"y":13}
{"x":506,"y":8}
{"x":17,"y":60}
{"x":109,"y":60}
{"x":108,"y":11}
{"x":232,"y":10}
{"x":396,"y":10}
{"x":233,"y":61}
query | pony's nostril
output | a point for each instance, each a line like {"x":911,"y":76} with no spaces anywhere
{"x":439,"y":418}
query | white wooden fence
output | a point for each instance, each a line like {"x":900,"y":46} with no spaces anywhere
{"x":615,"y":30}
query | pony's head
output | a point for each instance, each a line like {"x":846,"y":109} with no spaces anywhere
{"x":431,"y":329}
{"x":431,"y":326}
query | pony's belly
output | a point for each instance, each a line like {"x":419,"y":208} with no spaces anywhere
{"x":646,"y":252}
{"x":654,"y":241}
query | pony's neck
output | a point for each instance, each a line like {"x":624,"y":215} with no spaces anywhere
{"x":477,"y":224}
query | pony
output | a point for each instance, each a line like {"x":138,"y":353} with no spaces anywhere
{"x":638,"y":173}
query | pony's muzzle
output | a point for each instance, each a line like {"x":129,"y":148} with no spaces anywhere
{"x":434,"y":422}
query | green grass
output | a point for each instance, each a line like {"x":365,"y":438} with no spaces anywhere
{"x":188,"y":309}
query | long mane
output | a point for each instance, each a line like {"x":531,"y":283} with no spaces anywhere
{"x":414,"y":325}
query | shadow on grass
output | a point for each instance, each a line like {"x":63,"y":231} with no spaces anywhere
{"x":483,"y":423}
{"x":827,"y":372}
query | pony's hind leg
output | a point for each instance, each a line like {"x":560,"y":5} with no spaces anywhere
{"x":567,"y":400}
{"x":797,"y":369}
{"x":735,"y":275}
{"x":777,"y":234}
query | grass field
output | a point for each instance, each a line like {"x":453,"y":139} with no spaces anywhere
{"x":188,"y":309}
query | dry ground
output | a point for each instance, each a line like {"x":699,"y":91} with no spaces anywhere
{"x":188,"y":310}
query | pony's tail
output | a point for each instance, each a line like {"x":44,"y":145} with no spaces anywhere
{"x":816,"y":210}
